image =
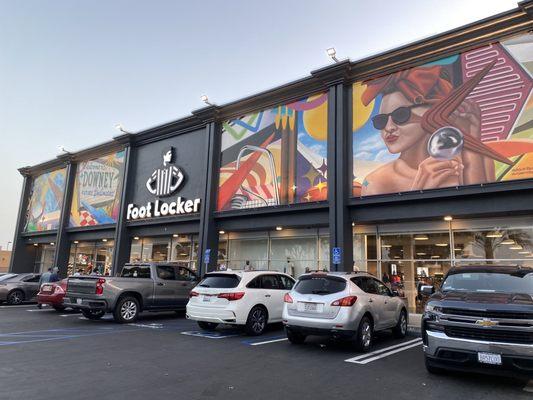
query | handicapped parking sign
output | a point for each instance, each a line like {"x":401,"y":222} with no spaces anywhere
{"x":336,"y":255}
{"x":207,"y":256}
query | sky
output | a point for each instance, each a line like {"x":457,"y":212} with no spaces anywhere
{"x":71,"y":70}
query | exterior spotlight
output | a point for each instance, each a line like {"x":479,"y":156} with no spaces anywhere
{"x":221,"y":232}
{"x":120,"y":128}
{"x":62,"y":149}
{"x":332,"y":53}
{"x":76,"y":242}
{"x":175,"y":235}
{"x":205,"y":99}
{"x":279,"y":228}
{"x":448,"y":218}
{"x":136,"y":238}
{"x":52,"y":244}
{"x":104,"y":240}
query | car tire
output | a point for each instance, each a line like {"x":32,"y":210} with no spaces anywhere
{"x":93,"y":314}
{"x":207,"y":326}
{"x":400,"y":330}
{"x":294,"y":337}
{"x":256,"y":322}
{"x":365,"y":335}
{"x":126,"y":310}
{"x":59,"y":308}
{"x":16,"y":297}
{"x":431,"y":369}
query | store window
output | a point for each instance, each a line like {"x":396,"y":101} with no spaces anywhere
{"x":248,"y":254}
{"x":293,"y":256}
{"x":365,"y":253}
{"x":179,"y":248}
{"x":44,"y":258}
{"x":91,"y":257}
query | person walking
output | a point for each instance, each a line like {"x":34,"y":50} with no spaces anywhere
{"x":45,"y":278}
{"x":54,"y":277}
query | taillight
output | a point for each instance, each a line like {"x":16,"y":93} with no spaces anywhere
{"x":193,"y":294}
{"x":287,"y":298}
{"x":59,"y":289}
{"x":231,"y":296}
{"x":345,"y":301}
{"x":100,"y":286}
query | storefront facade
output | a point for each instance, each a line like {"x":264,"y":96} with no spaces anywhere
{"x":354,"y":167}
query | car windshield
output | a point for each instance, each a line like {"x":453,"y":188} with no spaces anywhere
{"x":322,"y":285}
{"x":220,"y":281}
{"x":490,"y":282}
{"x":135,"y":271}
{"x":6,"y":277}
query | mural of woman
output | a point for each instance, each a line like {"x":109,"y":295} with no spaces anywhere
{"x":406,"y":97}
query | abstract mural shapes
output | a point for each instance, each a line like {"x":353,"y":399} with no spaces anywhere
{"x":275,"y":156}
{"x":484,"y":94}
{"x":96,"y":196}
{"x":46,"y":201}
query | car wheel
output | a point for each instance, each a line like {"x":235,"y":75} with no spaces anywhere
{"x":294,"y":337}
{"x":207,"y":326}
{"x":400,"y":330}
{"x":59,"y":308}
{"x":93,"y":314}
{"x":16,"y":297}
{"x":257,"y":321}
{"x":365,"y":333}
{"x":431,"y":369}
{"x":126,"y":310}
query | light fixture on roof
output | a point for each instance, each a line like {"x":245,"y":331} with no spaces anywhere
{"x":332,"y":53}
{"x":205,"y":99}
{"x":62,"y":149}
{"x":120,"y":128}
{"x":448,"y":218}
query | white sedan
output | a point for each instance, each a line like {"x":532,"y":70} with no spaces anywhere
{"x":252,"y":299}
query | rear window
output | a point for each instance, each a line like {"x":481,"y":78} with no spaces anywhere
{"x":135,"y":271}
{"x":220,"y":281}
{"x":322,"y":285}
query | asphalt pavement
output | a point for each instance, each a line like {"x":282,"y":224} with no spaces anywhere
{"x":48,"y":355}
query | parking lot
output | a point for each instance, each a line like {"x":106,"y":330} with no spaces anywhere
{"x":45,"y":354}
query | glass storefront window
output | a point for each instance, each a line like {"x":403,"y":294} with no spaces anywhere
{"x":181,"y":248}
{"x":248,"y":253}
{"x":293,"y":256}
{"x":323,"y":253}
{"x":44,"y":258}
{"x":365,"y":253}
{"x":155,"y":249}
{"x":421,"y":246}
{"x":497,"y":243}
{"x":91,"y":257}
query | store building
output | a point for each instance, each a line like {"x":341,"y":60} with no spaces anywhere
{"x":402,"y":164}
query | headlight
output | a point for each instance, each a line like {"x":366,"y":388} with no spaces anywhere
{"x":433,"y":308}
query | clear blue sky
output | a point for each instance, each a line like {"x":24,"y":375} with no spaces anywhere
{"x":70,"y":70}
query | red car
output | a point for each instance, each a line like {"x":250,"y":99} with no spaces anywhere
{"x":52,"y":293}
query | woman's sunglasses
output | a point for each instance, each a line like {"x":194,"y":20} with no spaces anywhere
{"x":399,"y":116}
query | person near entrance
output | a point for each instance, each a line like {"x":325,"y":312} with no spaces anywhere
{"x":54,"y":277}
{"x":45,"y":278}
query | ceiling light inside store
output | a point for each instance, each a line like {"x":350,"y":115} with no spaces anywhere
{"x":441,"y":244}
{"x":386,"y":246}
{"x":136,"y":238}
{"x":508,"y":241}
{"x":458,"y":249}
{"x":52,"y":244}
{"x":104,"y":240}
{"x":435,"y":256}
{"x":421,"y":254}
{"x":448,"y":218}
{"x":175,"y":235}
{"x":397,"y":257}
{"x":353,"y":223}
{"x":523,"y":252}
{"x":35,"y":244}
{"x":516,"y":247}
{"x":421,"y":237}
{"x":494,"y":235}
{"x":279,"y":228}
{"x":221,"y":232}
{"x":76,"y":242}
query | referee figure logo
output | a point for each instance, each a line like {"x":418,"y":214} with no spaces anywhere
{"x":166,"y":179}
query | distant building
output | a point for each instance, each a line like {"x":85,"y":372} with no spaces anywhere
{"x":5,"y":257}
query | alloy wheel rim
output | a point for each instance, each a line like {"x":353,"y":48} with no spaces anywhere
{"x":366,"y":334}
{"x":128,"y":310}
{"x":258,"y":320}
{"x":15,"y":298}
{"x":403,"y":323}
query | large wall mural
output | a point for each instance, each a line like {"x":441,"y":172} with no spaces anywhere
{"x":46,"y":201}
{"x":96,"y":196}
{"x":276,"y":156}
{"x":465,"y":119}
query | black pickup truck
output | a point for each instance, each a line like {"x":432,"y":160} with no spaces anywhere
{"x":481,"y":319}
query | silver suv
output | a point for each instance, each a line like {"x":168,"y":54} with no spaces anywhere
{"x":342,"y":305}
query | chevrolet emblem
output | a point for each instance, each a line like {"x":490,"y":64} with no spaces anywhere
{"x":486,"y":322}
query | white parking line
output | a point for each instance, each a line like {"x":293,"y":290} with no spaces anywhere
{"x":268,"y":341}
{"x":387,"y":351}
{"x":69,"y":315}
{"x":529,"y":387}
{"x":40,"y":310}
{"x":19,"y":306}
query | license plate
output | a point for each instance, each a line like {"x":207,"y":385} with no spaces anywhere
{"x":489,"y":358}
{"x":310,"y":307}
{"x":46,"y":288}
{"x":79,"y":301}
{"x":206,"y":298}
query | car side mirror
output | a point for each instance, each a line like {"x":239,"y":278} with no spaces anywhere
{"x":395,"y":293}
{"x":427,"y":290}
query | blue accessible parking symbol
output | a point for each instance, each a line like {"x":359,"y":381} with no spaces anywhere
{"x":337,"y":254}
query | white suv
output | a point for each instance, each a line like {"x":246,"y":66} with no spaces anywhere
{"x":342,"y":305}
{"x":249,"y":298}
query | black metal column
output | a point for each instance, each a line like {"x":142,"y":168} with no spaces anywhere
{"x":121,"y":253}
{"x":21,"y":261}
{"x":62,"y":242}
{"x":208,"y":235}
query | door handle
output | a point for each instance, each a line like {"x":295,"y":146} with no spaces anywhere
{"x":267,"y":295}
{"x":370,"y":301}
{"x":160,"y":284}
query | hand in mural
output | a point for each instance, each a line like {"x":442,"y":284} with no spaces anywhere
{"x":477,"y":168}
{"x":433,"y":173}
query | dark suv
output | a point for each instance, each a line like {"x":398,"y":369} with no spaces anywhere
{"x":481,"y":319}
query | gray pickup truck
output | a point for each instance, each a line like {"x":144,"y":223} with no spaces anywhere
{"x":140,"y":287}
